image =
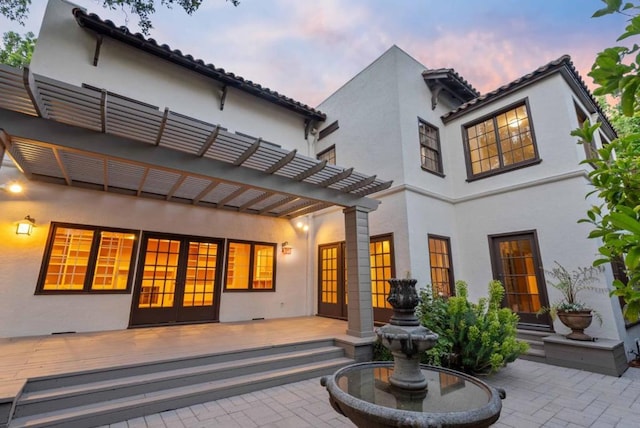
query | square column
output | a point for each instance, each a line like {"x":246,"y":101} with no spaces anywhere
{"x":360,"y":308}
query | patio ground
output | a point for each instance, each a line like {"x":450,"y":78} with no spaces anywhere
{"x":537,"y":394}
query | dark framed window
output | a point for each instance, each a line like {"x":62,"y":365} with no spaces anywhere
{"x":430,"y":153}
{"x":500,"y":142}
{"x":329,"y":155}
{"x":251,"y":266}
{"x":442,"y":281}
{"x":83,"y":259}
{"x":590,"y":148}
{"x":382,"y":269}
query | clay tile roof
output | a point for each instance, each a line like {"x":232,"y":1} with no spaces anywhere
{"x":562,"y":64}
{"x":462,"y":87}
{"x":149,"y":45}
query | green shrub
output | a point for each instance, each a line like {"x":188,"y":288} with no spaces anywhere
{"x":380,"y":353}
{"x":477,"y":338}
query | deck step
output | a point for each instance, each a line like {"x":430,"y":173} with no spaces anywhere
{"x":536,"y":344}
{"x":106,"y":401}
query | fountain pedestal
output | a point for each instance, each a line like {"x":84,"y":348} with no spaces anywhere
{"x":405,"y":393}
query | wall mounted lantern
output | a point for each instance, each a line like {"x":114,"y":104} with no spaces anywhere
{"x":25,"y":226}
{"x":286,"y":248}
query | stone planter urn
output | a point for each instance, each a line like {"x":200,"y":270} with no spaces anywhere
{"x":577,"y":321}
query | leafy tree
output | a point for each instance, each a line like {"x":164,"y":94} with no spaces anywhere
{"x":616,"y":177}
{"x":624,"y":125}
{"x":17,"y":10}
{"x":16,"y":50}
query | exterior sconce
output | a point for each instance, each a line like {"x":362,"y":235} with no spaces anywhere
{"x":25,"y":226}
{"x":286,"y":248}
{"x":302,"y":225}
{"x":12,"y":187}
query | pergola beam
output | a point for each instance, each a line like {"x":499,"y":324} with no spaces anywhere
{"x":49,"y":133}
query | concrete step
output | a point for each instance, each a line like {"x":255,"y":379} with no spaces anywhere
{"x":31,"y":403}
{"x":536,"y":344}
{"x":102,"y":413}
{"x":89,"y":376}
{"x":105,"y":396}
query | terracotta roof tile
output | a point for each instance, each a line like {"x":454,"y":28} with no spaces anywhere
{"x":137,"y":40}
{"x":564,"y":62}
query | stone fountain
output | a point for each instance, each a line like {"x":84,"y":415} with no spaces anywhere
{"x":405,"y":393}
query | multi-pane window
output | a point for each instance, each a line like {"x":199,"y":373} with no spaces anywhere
{"x":250,"y":266}
{"x":87,"y":259}
{"x":382,"y":269}
{"x":590,"y":148}
{"x":501,"y":142}
{"x":441,"y":268}
{"x":329,"y":155}
{"x":430,"y":155}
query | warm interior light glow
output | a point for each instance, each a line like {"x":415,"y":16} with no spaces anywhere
{"x":305,"y":227}
{"x":515,"y":123}
{"x":299,"y":224}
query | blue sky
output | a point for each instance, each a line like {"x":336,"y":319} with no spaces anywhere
{"x":307,"y":49}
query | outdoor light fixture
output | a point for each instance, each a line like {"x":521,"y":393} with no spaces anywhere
{"x":12,"y":187}
{"x":302,"y":225}
{"x":25,"y":226}
{"x":286,"y":248}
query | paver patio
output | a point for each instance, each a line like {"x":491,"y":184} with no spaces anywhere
{"x":537,"y":394}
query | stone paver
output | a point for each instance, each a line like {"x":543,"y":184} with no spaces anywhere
{"x":538,"y":395}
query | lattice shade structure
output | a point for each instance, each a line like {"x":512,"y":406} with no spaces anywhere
{"x":168,"y":155}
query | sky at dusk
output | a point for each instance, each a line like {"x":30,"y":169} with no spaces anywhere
{"x":307,"y":49}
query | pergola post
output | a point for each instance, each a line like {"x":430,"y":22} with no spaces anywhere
{"x":360,"y":308}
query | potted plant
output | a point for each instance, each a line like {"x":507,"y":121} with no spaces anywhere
{"x":571,"y":311}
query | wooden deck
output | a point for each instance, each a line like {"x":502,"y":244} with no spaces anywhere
{"x":28,"y":357}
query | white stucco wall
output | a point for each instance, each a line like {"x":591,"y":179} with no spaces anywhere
{"x":65,"y":52}
{"x":378,"y":111}
{"x":23,"y":313}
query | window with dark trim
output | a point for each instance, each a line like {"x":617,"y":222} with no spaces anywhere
{"x":82,"y":259}
{"x":251,"y":266}
{"x":442,"y":280}
{"x":382,"y":269}
{"x":500,"y":142}
{"x":430,"y":154}
{"x":590,"y":148}
{"x":329,"y":155}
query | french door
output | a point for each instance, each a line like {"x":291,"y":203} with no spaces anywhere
{"x":516,"y":263}
{"x":332,"y":278}
{"x":332,"y":281}
{"x":178,"y":280}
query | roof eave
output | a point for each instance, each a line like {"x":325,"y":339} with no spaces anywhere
{"x":563,"y":66}
{"x":94,"y":23}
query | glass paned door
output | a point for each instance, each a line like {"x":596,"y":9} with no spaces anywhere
{"x":178,"y":280}
{"x":516,"y":263}
{"x":332,"y":289}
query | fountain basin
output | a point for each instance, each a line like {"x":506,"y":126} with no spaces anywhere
{"x":362,"y":392}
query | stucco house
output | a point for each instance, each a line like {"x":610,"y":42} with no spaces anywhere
{"x":166,"y":190}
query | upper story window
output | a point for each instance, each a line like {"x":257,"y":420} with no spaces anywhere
{"x":251,"y":266}
{"x":590,"y":148}
{"x":430,"y":154}
{"x":82,"y":258}
{"x":500,"y":142}
{"x":329,"y":155}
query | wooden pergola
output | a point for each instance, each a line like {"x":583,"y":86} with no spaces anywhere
{"x":90,"y":138}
